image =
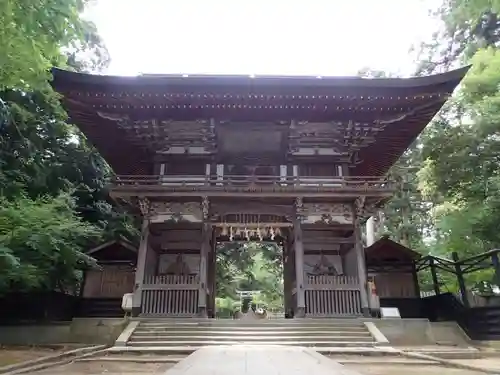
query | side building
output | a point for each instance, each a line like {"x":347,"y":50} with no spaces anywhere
{"x":297,"y":160}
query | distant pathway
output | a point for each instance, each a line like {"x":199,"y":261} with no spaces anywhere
{"x":258,"y":359}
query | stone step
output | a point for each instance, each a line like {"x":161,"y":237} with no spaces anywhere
{"x":259,"y":321}
{"x":249,"y":325}
{"x":366,"y":350}
{"x":198,"y":319}
{"x":267,"y":333}
{"x":201,"y":343}
{"x":259,"y":339}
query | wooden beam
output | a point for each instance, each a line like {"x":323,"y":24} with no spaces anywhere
{"x":312,"y":192}
{"x":168,"y":247}
{"x":299,"y":262}
{"x":361,"y":263}
{"x":496,"y":266}
{"x":328,"y":240}
{"x":206,"y":234}
{"x":416,"y":283}
{"x":141,"y":266}
{"x":435,"y":281}
{"x":310,"y":251}
{"x":461,"y":280}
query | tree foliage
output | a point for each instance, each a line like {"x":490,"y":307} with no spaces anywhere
{"x":52,"y":183}
{"x":249,"y":266}
{"x":41,"y":243}
{"x":33,"y":35}
{"x":455,"y":166}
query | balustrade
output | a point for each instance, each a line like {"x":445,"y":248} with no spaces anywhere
{"x":242,"y":181}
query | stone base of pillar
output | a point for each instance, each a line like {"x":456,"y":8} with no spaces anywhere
{"x":300,"y":312}
{"x":136,"y":311}
{"x":202,"y":312}
{"x":366,"y":312}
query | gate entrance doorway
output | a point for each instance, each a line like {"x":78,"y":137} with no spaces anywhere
{"x":249,"y":265}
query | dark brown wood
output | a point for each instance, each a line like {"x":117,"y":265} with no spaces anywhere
{"x":416,"y":283}
{"x":460,"y":280}
{"x":299,"y":262}
{"x":374,"y":120}
{"x":435,"y":281}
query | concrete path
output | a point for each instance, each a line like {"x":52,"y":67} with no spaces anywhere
{"x":257,"y":359}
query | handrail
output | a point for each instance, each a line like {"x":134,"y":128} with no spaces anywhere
{"x":241,"y":180}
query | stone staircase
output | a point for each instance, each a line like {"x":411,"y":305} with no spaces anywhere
{"x":187,"y":335}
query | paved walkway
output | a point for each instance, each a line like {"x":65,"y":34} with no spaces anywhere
{"x":261,"y":359}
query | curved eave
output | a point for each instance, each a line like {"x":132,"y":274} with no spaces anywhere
{"x":64,"y":78}
{"x":393,"y":141}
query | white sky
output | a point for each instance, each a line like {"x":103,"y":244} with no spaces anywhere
{"x":285,"y":37}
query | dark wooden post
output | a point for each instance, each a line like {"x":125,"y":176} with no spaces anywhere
{"x":460,"y":279}
{"x":300,"y":312}
{"x":496,"y":267}
{"x":287,"y":277}
{"x":435,"y":282}
{"x":82,"y":284}
{"x":140,"y":268}
{"x":415,"y":279}
{"x":204,"y":251}
{"x":361,"y":263}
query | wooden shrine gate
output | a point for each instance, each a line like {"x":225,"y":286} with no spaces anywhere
{"x":170,"y":295}
{"x":329,"y":296}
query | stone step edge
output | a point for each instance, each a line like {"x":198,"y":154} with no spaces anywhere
{"x":395,"y":360}
{"x":166,"y":350}
{"x":250,"y":326}
{"x":269,"y":343}
{"x":248,"y":333}
{"x":236,"y":338}
{"x":254,"y":323}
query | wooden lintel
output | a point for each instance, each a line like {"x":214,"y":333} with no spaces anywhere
{"x":170,"y":286}
{"x":174,"y":246}
{"x":310,"y":251}
{"x":190,"y":251}
{"x":328,"y":240}
{"x":250,"y":208}
{"x":309,"y":193}
{"x":253,"y":225}
{"x":332,"y":287}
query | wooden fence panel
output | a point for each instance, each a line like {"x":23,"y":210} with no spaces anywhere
{"x":170,"y":295}
{"x":332,"y":296}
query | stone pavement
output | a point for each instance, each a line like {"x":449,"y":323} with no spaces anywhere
{"x":257,"y":359}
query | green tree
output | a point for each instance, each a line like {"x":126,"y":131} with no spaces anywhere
{"x":460,"y":151}
{"x":38,"y":34}
{"x":52,"y":183}
{"x":41,"y":243}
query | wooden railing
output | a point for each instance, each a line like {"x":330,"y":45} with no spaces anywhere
{"x":330,"y":296}
{"x":352,"y":182}
{"x":170,"y":295}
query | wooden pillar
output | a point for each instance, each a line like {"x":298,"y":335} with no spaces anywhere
{"x":461,"y":280}
{"x":361,"y":263}
{"x":287,"y":278}
{"x":435,"y":281}
{"x":140,"y":268}
{"x":415,"y":279}
{"x":82,"y":284}
{"x":211,"y":276}
{"x":204,"y":251}
{"x":496,"y":266}
{"x":300,"y":311}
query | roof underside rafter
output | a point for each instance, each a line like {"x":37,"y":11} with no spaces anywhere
{"x":370,"y":121}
